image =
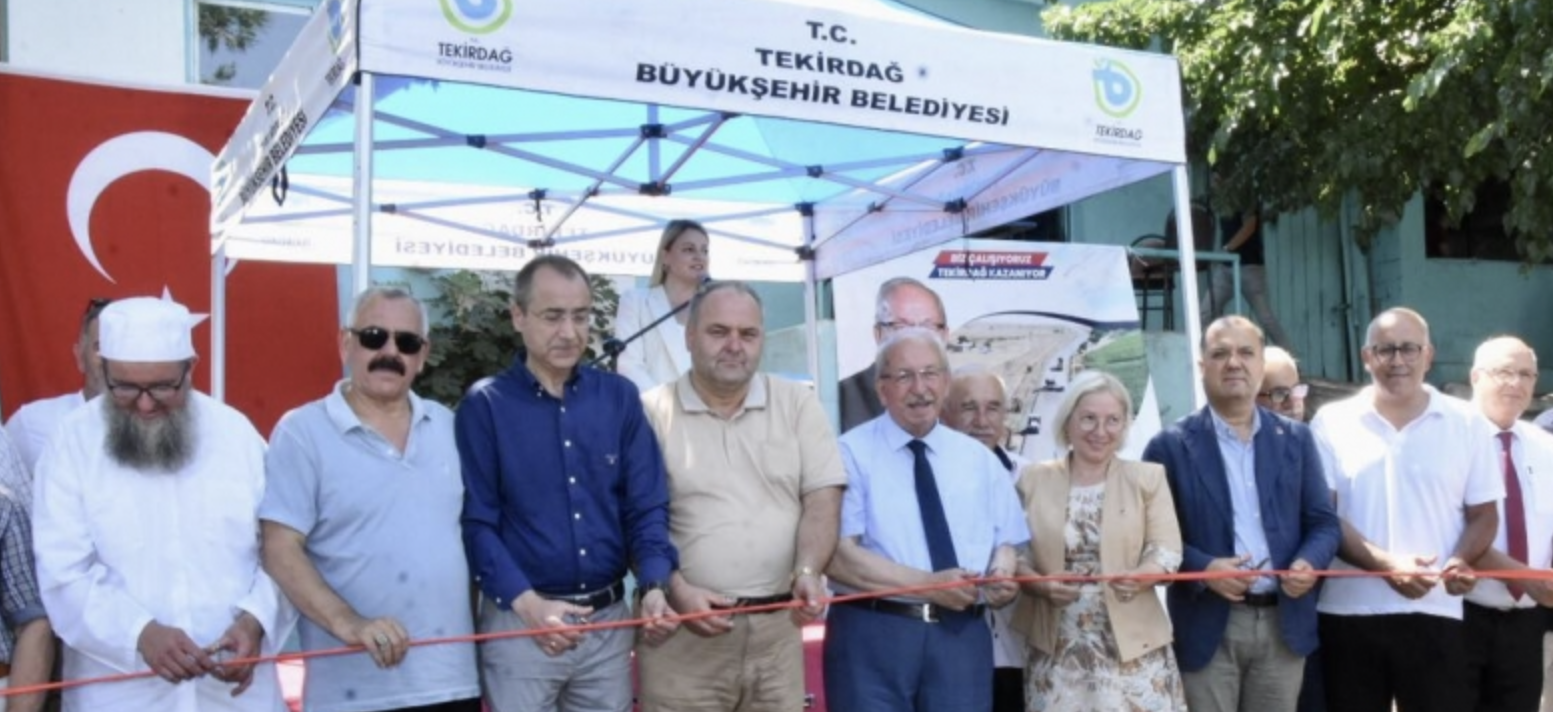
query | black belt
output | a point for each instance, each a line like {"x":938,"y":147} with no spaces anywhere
{"x":754,"y":601}
{"x":925,"y":612}
{"x":592,"y":599}
{"x":1516,"y":611}
{"x":1260,"y":600}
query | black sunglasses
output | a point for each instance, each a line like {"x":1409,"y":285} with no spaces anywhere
{"x":409,"y":343}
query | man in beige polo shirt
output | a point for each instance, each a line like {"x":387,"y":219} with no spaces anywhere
{"x":755,"y":481}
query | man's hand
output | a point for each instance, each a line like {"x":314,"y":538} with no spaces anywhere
{"x":1300,"y":579}
{"x":1231,"y":589}
{"x":171,"y":654}
{"x":539,"y":613}
{"x":655,"y":608}
{"x":808,"y":590}
{"x":239,"y":642}
{"x":384,"y":638}
{"x":957,"y":598}
{"x":1540,"y":590}
{"x":1411,"y":576}
{"x":689,"y":599}
{"x":1458,"y":576}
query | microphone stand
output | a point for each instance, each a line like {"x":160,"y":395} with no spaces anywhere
{"x":614,"y":347}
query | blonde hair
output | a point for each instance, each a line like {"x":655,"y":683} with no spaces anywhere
{"x":1087,"y":383}
{"x":671,"y":232}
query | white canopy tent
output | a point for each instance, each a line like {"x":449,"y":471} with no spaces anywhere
{"x":811,"y":140}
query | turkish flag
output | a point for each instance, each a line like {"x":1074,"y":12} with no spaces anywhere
{"x":103,"y":194}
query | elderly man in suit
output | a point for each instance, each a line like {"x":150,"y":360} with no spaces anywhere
{"x":1250,"y":493}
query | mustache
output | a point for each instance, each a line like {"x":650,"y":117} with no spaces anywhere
{"x":913,"y":401}
{"x":387,"y":363}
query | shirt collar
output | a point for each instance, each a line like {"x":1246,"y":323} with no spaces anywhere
{"x":1225,"y":430}
{"x":345,"y":419}
{"x":531,"y":382}
{"x":691,"y":402}
{"x":896,"y":437}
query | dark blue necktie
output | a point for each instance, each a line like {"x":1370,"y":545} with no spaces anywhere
{"x":940,"y":545}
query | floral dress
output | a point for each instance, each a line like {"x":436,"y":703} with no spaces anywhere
{"x":1084,"y":674}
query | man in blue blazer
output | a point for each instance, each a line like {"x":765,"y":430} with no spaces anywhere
{"x":1250,"y":494}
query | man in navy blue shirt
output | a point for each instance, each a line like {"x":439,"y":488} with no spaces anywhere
{"x":564,"y":489}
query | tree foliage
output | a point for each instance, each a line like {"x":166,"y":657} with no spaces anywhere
{"x":472,"y":335}
{"x":1303,"y":103}
{"x":230,"y":28}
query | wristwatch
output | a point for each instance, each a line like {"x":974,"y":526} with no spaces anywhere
{"x":645,"y":589}
{"x":803,"y":571}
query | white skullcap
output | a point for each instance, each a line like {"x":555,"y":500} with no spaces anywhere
{"x":146,"y":330}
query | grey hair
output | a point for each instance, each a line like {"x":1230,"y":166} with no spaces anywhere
{"x":1493,"y":343}
{"x":1088,"y":383}
{"x":523,"y":286}
{"x":706,"y":290}
{"x":910,"y":335}
{"x":1277,"y":354}
{"x":971,"y":370}
{"x":388,"y":292}
{"x":1391,"y":315}
{"x":882,"y":311}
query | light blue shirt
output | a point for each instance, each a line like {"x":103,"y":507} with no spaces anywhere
{"x":1240,"y":469}
{"x":880,"y":504}
{"x":383,"y":531}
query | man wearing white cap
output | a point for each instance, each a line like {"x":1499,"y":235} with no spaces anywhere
{"x":146,"y":535}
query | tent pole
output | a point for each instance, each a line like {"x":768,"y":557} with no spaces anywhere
{"x":1189,"y":294}
{"x":218,"y":324}
{"x":361,"y":187}
{"x":811,"y":316}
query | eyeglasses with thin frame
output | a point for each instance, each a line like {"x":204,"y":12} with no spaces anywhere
{"x":1278,"y":395}
{"x":1088,"y":422}
{"x":131,"y":392}
{"x":898,"y":325}
{"x":1408,"y":350}
{"x":906,"y":376}
{"x":1507,"y":376}
{"x":374,"y":338}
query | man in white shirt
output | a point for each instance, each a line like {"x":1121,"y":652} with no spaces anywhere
{"x":1415,"y":486}
{"x":32,"y":424}
{"x":977,"y":405}
{"x":146,"y":531}
{"x":1503,"y":621}
{"x":924,"y":506}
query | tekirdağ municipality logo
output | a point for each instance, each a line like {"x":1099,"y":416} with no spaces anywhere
{"x":1117,"y":90}
{"x":477,"y":17}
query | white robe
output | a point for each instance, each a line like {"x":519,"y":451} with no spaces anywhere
{"x":118,"y":548}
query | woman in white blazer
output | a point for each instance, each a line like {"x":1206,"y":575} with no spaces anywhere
{"x":660,"y":355}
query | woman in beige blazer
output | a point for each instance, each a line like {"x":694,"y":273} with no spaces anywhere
{"x":1097,"y":646}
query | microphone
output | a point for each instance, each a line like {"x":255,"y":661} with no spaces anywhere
{"x":613,"y":347}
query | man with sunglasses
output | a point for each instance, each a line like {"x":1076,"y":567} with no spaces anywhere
{"x":32,"y":424}
{"x":1250,"y":493}
{"x":146,"y":532}
{"x":564,"y":492}
{"x":902,"y":303}
{"x":1503,"y":619}
{"x":1282,"y":392}
{"x":360,"y":524}
{"x":1416,"y":485}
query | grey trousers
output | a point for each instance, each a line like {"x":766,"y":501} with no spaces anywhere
{"x":519,"y":677}
{"x":1253,"y":286}
{"x":1252,"y":671}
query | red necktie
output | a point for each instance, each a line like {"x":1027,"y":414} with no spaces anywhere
{"x":1514,"y":513}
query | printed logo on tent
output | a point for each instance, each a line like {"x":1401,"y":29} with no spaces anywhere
{"x":477,"y":17}
{"x":336,"y":10}
{"x":990,"y":264}
{"x":1117,"y":91}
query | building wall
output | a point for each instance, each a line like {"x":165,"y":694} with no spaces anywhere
{"x":141,"y":41}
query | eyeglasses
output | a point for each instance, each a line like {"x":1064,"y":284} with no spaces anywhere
{"x":373,"y":338}
{"x":1409,"y":351}
{"x":1088,"y":422}
{"x":906,"y":376}
{"x":896,"y":325}
{"x":1281,"y":394}
{"x":1507,"y":376}
{"x":131,"y":392}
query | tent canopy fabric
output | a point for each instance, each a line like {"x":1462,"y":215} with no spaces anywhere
{"x":812,"y":138}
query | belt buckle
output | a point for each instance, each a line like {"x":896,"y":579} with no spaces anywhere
{"x":929,"y":615}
